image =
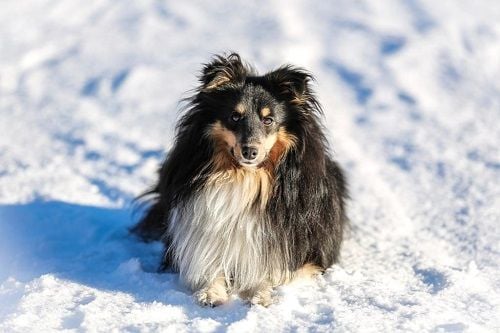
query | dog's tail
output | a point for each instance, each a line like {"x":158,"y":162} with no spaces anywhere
{"x":153,"y":223}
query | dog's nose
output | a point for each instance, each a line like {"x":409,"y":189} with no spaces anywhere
{"x":249,"y":152}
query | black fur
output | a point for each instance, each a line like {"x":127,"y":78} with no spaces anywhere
{"x":307,"y":206}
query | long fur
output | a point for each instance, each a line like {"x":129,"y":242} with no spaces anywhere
{"x":251,"y":228}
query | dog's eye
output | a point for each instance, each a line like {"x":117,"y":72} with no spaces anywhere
{"x":267,"y":121}
{"x":235,"y":116}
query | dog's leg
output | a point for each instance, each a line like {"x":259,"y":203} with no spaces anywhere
{"x":306,"y":272}
{"x":261,"y":295}
{"x":215,"y":294}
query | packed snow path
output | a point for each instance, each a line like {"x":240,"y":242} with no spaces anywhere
{"x":88,"y":102}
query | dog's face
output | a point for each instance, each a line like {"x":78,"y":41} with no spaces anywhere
{"x":249,"y":127}
{"x":251,"y":114}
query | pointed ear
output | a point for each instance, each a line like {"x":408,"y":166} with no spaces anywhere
{"x":292,"y":83}
{"x":223,"y":71}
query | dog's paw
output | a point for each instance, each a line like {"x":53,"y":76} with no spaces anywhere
{"x":262,"y":297}
{"x":211,"y":296}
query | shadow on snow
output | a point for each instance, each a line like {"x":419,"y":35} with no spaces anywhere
{"x":92,"y":246}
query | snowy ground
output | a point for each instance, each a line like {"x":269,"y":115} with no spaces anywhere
{"x":88,"y":100}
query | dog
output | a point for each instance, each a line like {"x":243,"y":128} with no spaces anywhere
{"x":249,"y":197}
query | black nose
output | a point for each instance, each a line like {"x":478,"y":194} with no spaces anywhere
{"x":249,"y":152}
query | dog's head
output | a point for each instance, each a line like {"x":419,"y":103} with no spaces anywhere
{"x":252,"y":117}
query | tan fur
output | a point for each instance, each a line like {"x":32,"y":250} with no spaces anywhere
{"x":269,"y":141}
{"x":299,"y":100}
{"x":223,"y":140}
{"x":265,"y":112}
{"x":262,"y":294}
{"x":287,"y":139}
{"x":215,"y":294}
{"x":222,"y":135}
{"x":308,"y":271}
{"x":240,"y":108}
{"x":256,"y":184}
{"x":218,"y":81}
{"x":283,"y":143}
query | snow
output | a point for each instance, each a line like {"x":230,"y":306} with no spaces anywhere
{"x":89,"y":97}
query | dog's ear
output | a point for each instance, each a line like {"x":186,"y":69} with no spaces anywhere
{"x":223,"y":71}
{"x":292,"y":83}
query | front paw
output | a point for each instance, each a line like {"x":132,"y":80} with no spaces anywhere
{"x":212,"y":296}
{"x":261,"y":296}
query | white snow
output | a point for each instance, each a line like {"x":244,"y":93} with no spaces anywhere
{"x":89,"y":95}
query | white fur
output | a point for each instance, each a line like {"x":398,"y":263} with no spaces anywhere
{"x":222,"y":232}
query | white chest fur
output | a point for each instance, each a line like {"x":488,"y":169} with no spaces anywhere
{"x":222,"y":231}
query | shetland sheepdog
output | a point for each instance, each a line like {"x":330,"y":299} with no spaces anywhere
{"x":249,"y":197}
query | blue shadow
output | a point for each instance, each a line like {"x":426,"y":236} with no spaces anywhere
{"x":72,"y":240}
{"x":435,"y":280}
{"x":353,"y":79}
{"x":392,"y":44}
{"x":92,"y":246}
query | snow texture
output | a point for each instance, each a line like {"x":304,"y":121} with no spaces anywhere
{"x":89,"y":95}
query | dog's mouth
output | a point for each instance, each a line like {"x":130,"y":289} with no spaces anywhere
{"x":247,"y":164}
